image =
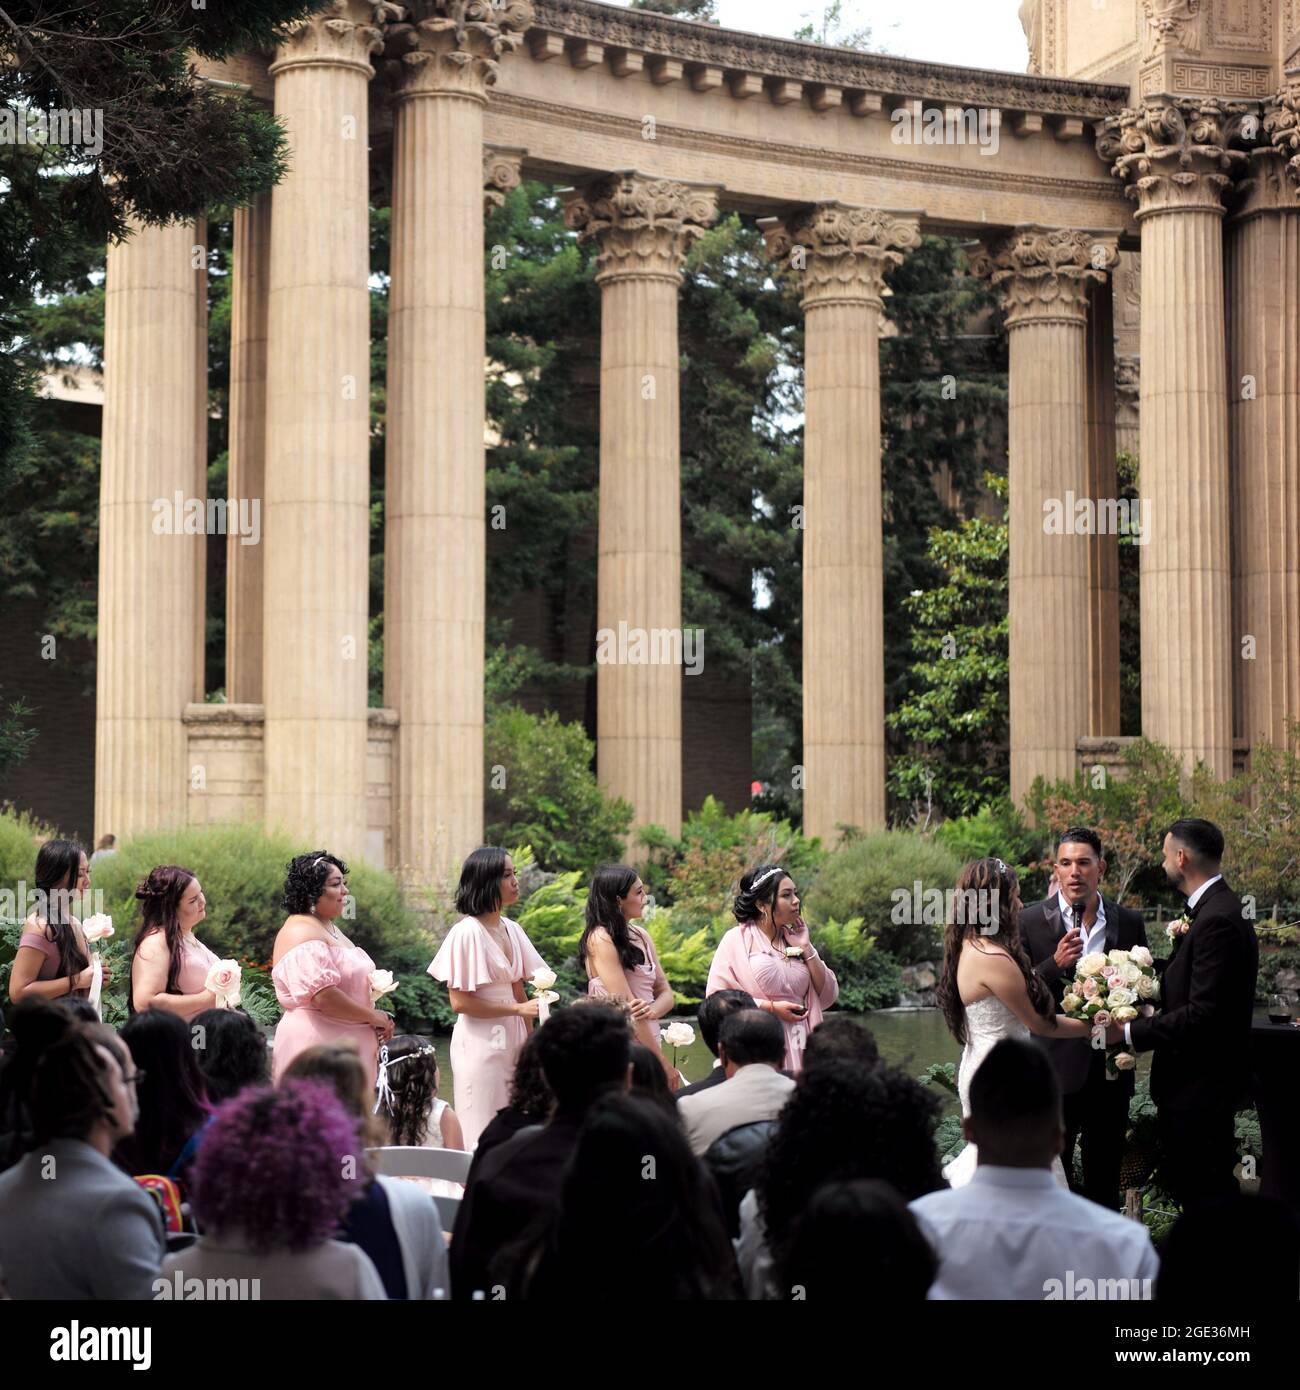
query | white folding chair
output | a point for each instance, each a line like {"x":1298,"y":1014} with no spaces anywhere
{"x":408,"y":1161}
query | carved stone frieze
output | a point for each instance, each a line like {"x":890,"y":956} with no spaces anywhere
{"x":837,"y":252}
{"x":502,"y":174}
{"x":1044,"y":272}
{"x":1171,"y":25}
{"x":641,"y":225}
{"x":1282,"y":123}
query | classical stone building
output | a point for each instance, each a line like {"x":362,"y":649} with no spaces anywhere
{"x":1188,"y":151}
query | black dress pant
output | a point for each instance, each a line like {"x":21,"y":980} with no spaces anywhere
{"x":1199,"y":1158}
{"x":1096,"y":1118}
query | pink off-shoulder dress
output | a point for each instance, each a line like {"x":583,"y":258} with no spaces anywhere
{"x":484,"y":1050}
{"x":640,"y":978}
{"x":302,"y":973}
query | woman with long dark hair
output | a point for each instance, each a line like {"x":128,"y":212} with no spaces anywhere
{"x":987,"y":989}
{"x":169,"y":964}
{"x":484,"y":960}
{"x":53,"y":958}
{"x":770,"y":955}
{"x":173,"y":1106}
{"x":619,"y":955}
{"x":321,"y":979}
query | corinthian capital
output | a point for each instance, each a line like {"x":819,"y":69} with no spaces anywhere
{"x":344,"y":34}
{"x":841,"y":252}
{"x":1282,"y":123}
{"x":641,"y":225}
{"x":454,"y":46}
{"x":502,"y":174}
{"x":1172,"y":152}
{"x":1044,"y":273}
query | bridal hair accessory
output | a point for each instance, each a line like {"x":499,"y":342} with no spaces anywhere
{"x":383,"y":1091}
{"x":763,"y":878}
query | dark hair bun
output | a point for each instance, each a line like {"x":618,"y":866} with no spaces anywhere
{"x":37,"y":1025}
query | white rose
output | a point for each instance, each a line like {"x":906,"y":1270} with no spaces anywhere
{"x":1071,"y":1003}
{"x":98,"y":928}
{"x":1146,"y":987}
{"x":1139,"y":955}
{"x":1125,"y":1061}
{"x":381,"y":983}
{"x":1091,"y":964}
{"x":1126,"y":1013}
{"x":678,"y":1035}
{"x":543,"y":977}
{"x":1129,"y":973}
{"x":1118,"y":957}
{"x":223,"y":980}
{"x":1119,"y":996}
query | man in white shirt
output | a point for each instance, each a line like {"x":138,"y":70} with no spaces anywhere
{"x":751,"y":1048}
{"x":1012,"y":1232}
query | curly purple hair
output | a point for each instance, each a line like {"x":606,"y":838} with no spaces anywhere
{"x":279,"y":1167}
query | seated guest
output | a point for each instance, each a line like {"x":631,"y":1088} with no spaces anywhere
{"x":845,"y":1038}
{"x":275,"y":1176}
{"x":90,"y":1233}
{"x":649,"y":1078}
{"x":173,"y":1106}
{"x":231,"y":1052}
{"x":709,"y":1019}
{"x":857,"y":1239}
{"x":840,"y":1124}
{"x":394,"y":1223}
{"x":417,"y":1118}
{"x":1013,"y":1232}
{"x":584,"y":1053}
{"x":751,"y":1047}
{"x":1233,"y":1249}
{"x":530,"y":1104}
{"x":670,"y":1243}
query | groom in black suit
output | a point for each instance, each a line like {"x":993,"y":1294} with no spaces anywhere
{"x":1076,"y":921}
{"x":1200,"y":1074}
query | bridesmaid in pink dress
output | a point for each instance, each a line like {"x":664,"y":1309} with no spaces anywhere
{"x":484,"y":960}
{"x":169,"y":964}
{"x":770,"y":955}
{"x":620,"y":957}
{"x":321,"y":979}
{"x":53,"y":958}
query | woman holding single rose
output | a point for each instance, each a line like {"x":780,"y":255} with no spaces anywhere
{"x":321,"y":979}
{"x":484,"y":960}
{"x":169,"y":964}
{"x":770,"y":955}
{"x":53,"y":958}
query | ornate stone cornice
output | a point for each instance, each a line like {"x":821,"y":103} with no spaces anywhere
{"x":1265,"y":186}
{"x":642,"y":226}
{"x":1171,"y":26}
{"x":344,"y":34}
{"x":1173,"y":152}
{"x":454,"y":47}
{"x":838,"y":253}
{"x":502,"y":174}
{"x":1044,"y":273}
{"x":692,"y":42}
{"x":1282,"y":123}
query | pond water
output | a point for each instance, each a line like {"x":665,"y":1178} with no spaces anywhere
{"x":912,"y":1039}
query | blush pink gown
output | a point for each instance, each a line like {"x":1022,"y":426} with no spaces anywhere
{"x":640,"y":978}
{"x":483,"y":1050}
{"x":746,"y":959}
{"x":302,"y":973}
{"x":196,"y":961}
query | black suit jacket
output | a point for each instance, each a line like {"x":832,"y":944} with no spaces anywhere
{"x":1041,"y":927}
{"x":1201,"y":1036}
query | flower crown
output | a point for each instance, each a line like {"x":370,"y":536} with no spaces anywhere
{"x":383,"y":1091}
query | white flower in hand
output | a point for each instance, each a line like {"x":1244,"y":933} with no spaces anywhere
{"x":223,"y":981}
{"x":678,"y":1035}
{"x":1125,"y":1061}
{"x":381,"y":983}
{"x":543,"y":978}
{"x":98,"y":928}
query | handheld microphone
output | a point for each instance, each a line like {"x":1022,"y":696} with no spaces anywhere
{"x":1079,"y":907}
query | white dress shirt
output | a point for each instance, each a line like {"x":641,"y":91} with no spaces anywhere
{"x":1096,"y":933}
{"x":1015,"y":1233}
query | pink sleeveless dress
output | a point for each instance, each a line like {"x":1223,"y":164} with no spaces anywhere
{"x":640,"y":978}
{"x":302,"y":973}
{"x":196,"y":961}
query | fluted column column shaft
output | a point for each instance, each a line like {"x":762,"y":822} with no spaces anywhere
{"x":150,"y":607}
{"x":315,"y":601}
{"x":1103,"y":549}
{"x":250,"y":288}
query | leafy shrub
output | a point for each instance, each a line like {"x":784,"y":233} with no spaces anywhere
{"x":551,"y":798}
{"x":866,"y":877}
{"x":997,"y":830}
{"x":19,"y":837}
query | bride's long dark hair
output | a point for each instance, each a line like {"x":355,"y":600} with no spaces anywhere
{"x":983,"y":881}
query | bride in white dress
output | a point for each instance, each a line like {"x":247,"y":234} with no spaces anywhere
{"x":988,"y":992}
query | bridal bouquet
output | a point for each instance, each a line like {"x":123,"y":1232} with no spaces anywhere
{"x":1115,"y":987}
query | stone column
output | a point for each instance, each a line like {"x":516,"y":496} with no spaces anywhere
{"x":643,"y":228}
{"x":434,"y":518}
{"x":247,"y":470}
{"x":1173,"y":154}
{"x":1044,"y":277}
{"x":843,"y":255}
{"x":150,"y":596}
{"x":1264,"y":425}
{"x":316,"y":517}
{"x":1103,"y":486}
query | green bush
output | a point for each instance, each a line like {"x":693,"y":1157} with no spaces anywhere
{"x":19,"y":834}
{"x":994,"y":831}
{"x":551,"y":798}
{"x":872,"y":877}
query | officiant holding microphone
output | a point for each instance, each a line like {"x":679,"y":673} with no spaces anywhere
{"x":1057,"y":932}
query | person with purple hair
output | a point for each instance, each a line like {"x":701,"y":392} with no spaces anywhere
{"x":274,"y":1178}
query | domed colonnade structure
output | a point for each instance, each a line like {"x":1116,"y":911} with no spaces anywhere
{"x":654,"y":126}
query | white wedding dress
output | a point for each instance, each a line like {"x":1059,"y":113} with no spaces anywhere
{"x":988,"y":1021}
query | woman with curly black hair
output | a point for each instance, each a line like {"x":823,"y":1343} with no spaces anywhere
{"x":321,"y":979}
{"x":840,"y":1124}
{"x":770,"y":956}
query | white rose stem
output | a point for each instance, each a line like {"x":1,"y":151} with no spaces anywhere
{"x":543,"y":1007}
{"x":96,"y":983}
